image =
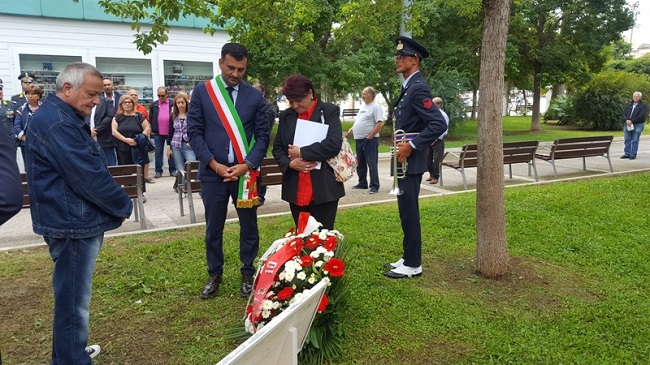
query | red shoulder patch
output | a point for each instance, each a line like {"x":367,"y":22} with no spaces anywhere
{"x":427,"y":103}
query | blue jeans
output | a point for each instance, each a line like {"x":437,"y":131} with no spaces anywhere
{"x":632,"y":139}
{"x":111,"y":157}
{"x":74,"y":261}
{"x":367,"y":158}
{"x":181,"y":155}
{"x":159,"y":141}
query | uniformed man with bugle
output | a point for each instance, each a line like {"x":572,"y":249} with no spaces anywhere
{"x":421,"y":121}
{"x":7,"y":115}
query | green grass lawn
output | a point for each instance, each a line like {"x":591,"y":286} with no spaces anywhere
{"x":578,"y":292}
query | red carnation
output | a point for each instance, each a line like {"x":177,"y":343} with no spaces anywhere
{"x":330,"y":243}
{"x":312,"y":242}
{"x":335,"y":267}
{"x":306,"y":261}
{"x":285,"y":293}
{"x":324,"y":301}
{"x":296,"y":244}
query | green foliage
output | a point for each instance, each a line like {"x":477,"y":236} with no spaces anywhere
{"x":449,"y":85}
{"x":600,"y":105}
{"x":561,"y":109}
{"x":639,"y":65}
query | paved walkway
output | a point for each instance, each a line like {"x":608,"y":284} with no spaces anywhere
{"x":162,"y":209}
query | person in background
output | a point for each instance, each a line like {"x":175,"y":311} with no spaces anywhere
{"x":177,"y":140}
{"x":104,"y":114}
{"x":133,"y":93}
{"x":270,"y":113}
{"x":11,"y":193}
{"x":366,"y":130}
{"x":160,"y":111}
{"x":223,"y":112}
{"x":7,"y":116}
{"x":414,"y":112}
{"x":634,"y":120}
{"x":26,"y":79}
{"x":73,"y":202}
{"x":24,"y":115}
{"x":305,"y":186}
{"x":437,"y":148}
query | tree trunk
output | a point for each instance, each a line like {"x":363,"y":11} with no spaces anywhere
{"x":474,"y":99}
{"x":557,"y":90}
{"x":535,"y":123}
{"x":492,"y":259}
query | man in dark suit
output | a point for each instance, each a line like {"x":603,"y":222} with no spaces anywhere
{"x":104,"y":114}
{"x":159,"y":113}
{"x":414,"y":113}
{"x":26,"y":79}
{"x":634,"y":120}
{"x":227,"y":157}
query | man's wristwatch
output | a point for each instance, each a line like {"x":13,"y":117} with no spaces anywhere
{"x":249,"y":164}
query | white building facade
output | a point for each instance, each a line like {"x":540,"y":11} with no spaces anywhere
{"x":45,"y":43}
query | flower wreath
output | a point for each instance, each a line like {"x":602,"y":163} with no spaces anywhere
{"x":292,"y":265}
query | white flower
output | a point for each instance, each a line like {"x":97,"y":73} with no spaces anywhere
{"x":249,"y":326}
{"x":314,"y":254}
{"x":328,"y":255}
{"x":267,"y":304}
{"x":297,"y":298}
{"x":319,"y":263}
{"x":276,"y":305}
{"x":290,"y":275}
{"x":322,"y":235}
{"x":260,"y":326}
{"x":266,"y":314}
{"x":301,"y":275}
{"x":312,"y":279}
{"x":282,"y":276}
{"x":321,"y":250}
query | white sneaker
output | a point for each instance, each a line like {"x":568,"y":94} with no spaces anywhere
{"x":93,"y":350}
{"x":404,"y":272}
{"x":397,"y":263}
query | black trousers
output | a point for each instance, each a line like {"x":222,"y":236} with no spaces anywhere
{"x":409,"y":215}
{"x":434,"y":157}
{"x":324,"y":213}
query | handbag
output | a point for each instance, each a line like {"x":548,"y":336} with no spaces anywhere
{"x":150,"y":146}
{"x":345,"y":163}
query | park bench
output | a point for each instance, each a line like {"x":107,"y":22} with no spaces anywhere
{"x":513,"y":152}
{"x":130,"y":178}
{"x":269,"y":169}
{"x":350,"y":113}
{"x":578,"y":147}
{"x":23,"y":178}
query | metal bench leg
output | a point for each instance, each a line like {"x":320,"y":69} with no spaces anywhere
{"x":190,"y":200}
{"x":610,"y":163}
{"x":510,"y":170}
{"x":179,"y":188}
{"x":143,"y":217}
{"x":462,"y":172}
{"x":136,"y":209}
{"x":584,"y":163}
{"x":554,"y":168}
{"x":440,"y":170}
{"x":534,"y":168}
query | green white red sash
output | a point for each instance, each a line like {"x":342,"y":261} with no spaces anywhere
{"x":247,"y":193}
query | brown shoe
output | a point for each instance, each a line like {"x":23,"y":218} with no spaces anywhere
{"x":433,"y":180}
{"x":246,"y":285}
{"x":211,"y":288}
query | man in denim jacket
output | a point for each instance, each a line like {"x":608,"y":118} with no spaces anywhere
{"x":73,"y":201}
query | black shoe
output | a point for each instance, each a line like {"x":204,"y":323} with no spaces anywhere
{"x":246,"y":285}
{"x":211,"y":288}
{"x":632,"y":157}
{"x":359,"y":187}
{"x":625,"y":156}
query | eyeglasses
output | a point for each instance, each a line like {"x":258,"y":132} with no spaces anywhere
{"x":127,"y":102}
{"x":162,"y":96}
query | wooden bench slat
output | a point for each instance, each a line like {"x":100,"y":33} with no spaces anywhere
{"x":578,"y":147}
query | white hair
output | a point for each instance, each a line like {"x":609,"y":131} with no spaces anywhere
{"x":74,"y":75}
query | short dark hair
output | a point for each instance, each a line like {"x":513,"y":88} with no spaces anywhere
{"x":296,"y":87}
{"x":34,"y":89}
{"x":236,"y":50}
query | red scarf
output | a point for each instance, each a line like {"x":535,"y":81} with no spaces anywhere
{"x":305,"y":193}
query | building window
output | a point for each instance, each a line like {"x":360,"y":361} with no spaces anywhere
{"x":46,"y":68}
{"x":184,"y":75}
{"x":128,"y":73}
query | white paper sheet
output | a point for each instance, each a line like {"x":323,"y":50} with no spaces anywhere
{"x":308,"y":132}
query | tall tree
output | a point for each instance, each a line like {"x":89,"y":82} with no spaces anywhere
{"x":492,"y":259}
{"x":562,"y":40}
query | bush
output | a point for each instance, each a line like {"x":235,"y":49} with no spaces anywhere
{"x":450,"y":85}
{"x":561,"y":109}
{"x":601,"y":104}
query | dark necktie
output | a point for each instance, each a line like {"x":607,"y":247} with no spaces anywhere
{"x":230,"y":90}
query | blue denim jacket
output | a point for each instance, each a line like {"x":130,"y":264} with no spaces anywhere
{"x":71,"y":192}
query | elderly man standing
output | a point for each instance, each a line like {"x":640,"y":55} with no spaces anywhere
{"x":159,"y":112}
{"x":366,"y":130}
{"x":437,"y":148}
{"x":634,"y":120}
{"x":74,"y":200}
